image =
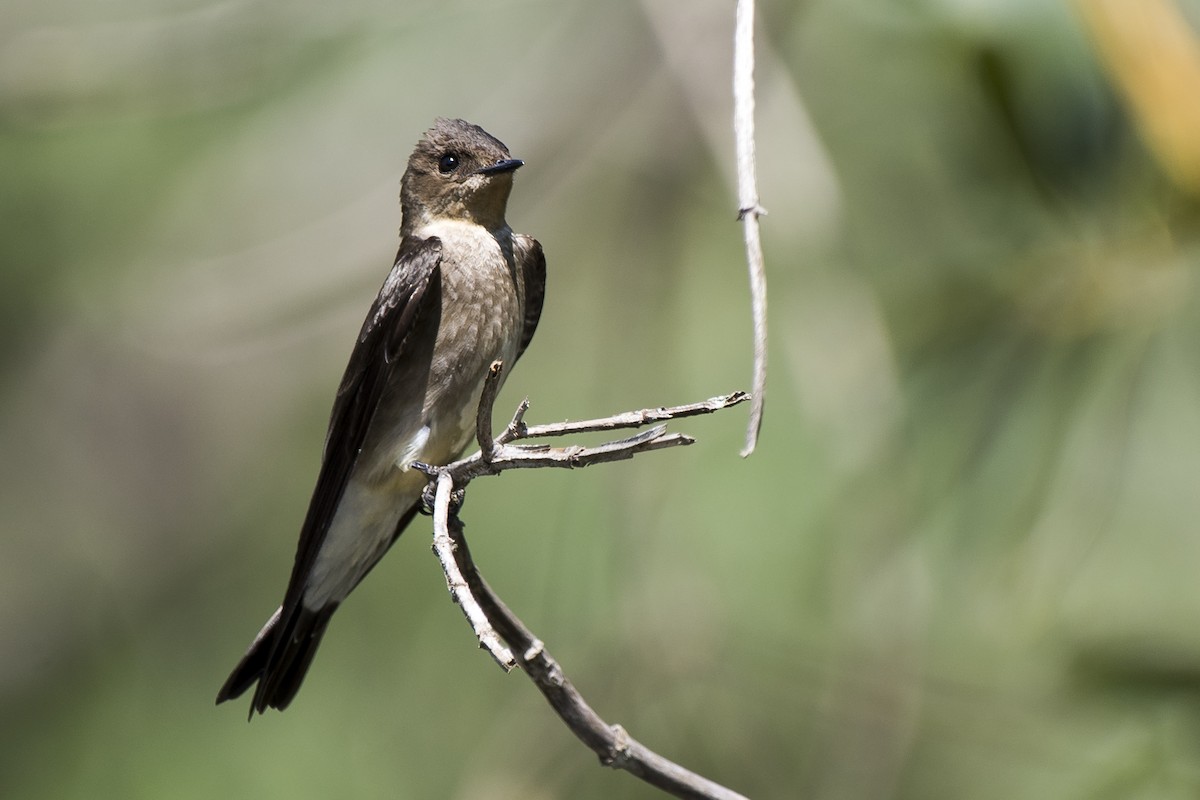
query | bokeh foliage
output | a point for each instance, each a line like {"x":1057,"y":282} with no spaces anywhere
{"x":962,"y":563}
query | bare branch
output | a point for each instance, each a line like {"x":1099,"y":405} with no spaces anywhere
{"x":507,"y":456}
{"x":635,"y":419}
{"x":492,"y":621}
{"x":574,"y":456}
{"x":502,"y":455}
{"x":615,"y":747}
{"x":748,"y":208}
{"x":443,"y":546}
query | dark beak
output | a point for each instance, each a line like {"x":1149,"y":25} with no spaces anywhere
{"x":503,"y":165}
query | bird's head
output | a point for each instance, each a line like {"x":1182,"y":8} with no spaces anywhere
{"x":457,"y":171}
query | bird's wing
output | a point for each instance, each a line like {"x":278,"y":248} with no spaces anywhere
{"x":410,"y":301}
{"x":533,"y":270}
{"x":410,"y":295}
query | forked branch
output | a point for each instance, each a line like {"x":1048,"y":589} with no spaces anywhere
{"x":490,"y":618}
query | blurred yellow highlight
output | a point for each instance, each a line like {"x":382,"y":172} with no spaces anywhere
{"x":1153,"y":55}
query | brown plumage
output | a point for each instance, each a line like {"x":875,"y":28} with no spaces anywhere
{"x":464,"y":291}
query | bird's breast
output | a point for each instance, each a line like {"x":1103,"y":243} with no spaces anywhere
{"x":481,"y":321}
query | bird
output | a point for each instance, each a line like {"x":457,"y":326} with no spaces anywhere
{"x":464,"y":291}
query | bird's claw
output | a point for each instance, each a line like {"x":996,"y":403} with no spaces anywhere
{"x":428,"y":496}
{"x":429,"y":499}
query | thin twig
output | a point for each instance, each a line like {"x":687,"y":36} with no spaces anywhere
{"x":516,"y":427}
{"x":509,"y":456}
{"x":635,"y":419}
{"x":748,"y":208}
{"x":443,"y":546}
{"x":483,"y":420}
{"x":615,"y":747}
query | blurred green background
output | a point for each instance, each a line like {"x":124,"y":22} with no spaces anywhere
{"x":962,"y":564}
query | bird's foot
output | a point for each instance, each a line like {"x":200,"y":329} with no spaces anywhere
{"x":429,"y":497}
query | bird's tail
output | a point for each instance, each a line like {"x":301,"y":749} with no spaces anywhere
{"x":278,"y":658}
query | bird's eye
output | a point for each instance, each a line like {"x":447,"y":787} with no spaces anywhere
{"x":447,"y":163}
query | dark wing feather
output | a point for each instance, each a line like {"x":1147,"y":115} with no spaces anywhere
{"x":412,"y":290}
{"x":533,"y":271}
{"x":280,"y":655}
